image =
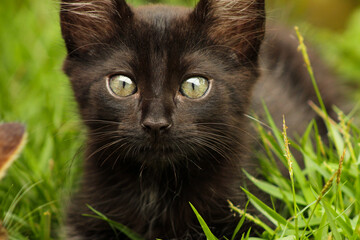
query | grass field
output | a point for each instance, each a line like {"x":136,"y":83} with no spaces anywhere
{"x":34,"y":91}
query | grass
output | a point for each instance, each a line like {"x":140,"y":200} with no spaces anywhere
{"x":34,"y":91}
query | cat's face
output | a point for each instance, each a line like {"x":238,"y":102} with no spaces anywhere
{"x":162,"y":83}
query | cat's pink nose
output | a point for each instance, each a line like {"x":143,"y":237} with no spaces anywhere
{"x":156,"y":125}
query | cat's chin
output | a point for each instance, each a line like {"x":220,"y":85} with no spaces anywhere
{"x":159,"y":155}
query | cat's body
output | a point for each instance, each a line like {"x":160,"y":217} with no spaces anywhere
{"x":155,"y":150}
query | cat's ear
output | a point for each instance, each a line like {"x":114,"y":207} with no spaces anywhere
{"x":88,"y":22}
{"x":237,"y":24}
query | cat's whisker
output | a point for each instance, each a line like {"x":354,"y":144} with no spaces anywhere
{"x":179,"y":148}
{"x":215,"y":141}
{"x":258,"y":121}
{"x":142,"y":168}
{"x":205,"y":143}
{"x":207,"y":124}
{"x":100,"y":149}
{"x":221,"y":140}
{"x":205,"y":147}
{"x":132,"y":147}
{"x":77,"y":153}
{"x":209,"y":132}
{"x":124,"y":140}
{"x":187,"y":159}
{"x":119,"y":155}
{"x":136,"y":150}
{"x":174,"y":170}
{"x":212,"y":133}
{"x":104,"y":135}
{"x":253,"y":137}
{"x":101,"y":121}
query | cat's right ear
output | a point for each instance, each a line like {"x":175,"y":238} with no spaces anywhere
{"x":88,"y":22}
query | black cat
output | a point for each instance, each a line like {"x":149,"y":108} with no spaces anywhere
{"x":164,"y":93}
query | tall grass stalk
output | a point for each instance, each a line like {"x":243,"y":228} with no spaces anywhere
{"x":303,"y":49}
{"x":291,"y":174}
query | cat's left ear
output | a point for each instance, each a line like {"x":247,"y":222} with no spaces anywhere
{"x":85,"y":23}
{"x":236,"y":24}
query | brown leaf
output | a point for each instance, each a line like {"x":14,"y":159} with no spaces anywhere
{"x":12,"y":139}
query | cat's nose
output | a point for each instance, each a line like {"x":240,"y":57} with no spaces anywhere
{"x":156,"y":116}
{"x":153,"y":125}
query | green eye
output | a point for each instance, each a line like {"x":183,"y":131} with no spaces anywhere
{"x":194,"y":87}
{"x":122,"y":86}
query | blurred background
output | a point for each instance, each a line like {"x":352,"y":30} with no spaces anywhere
{"x":34,"y":91}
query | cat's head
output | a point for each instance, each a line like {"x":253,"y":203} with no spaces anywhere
{"x":163,"y":82}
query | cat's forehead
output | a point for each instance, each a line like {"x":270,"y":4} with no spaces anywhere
{"x":161,"y":19}
{"x":161,"y":14}
{"x":159,"y":29}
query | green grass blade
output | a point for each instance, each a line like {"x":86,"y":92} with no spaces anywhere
{"x":274,"y":128}
{"x":292,"y":237}
{"x":209,"y":235}
{"x":248,"y":234}
{"x":323,"y":229}
{"x":267,"y":211}
{"x":19,"y":196}
{"x":357,"y":229}
{"x":275,"y":191}
{"x":237,"y":229}
{"x":340,"y":222}
{"x":122,"y":228}
{"x":331,"y":221}
{"x":241,"y":222}
{"x":337,"y":139}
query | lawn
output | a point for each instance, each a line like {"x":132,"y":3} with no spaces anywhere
{"x":34,"y":91}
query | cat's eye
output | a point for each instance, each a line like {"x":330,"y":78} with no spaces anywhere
{"x":194,"y":87}
{"x":121,"y":85}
